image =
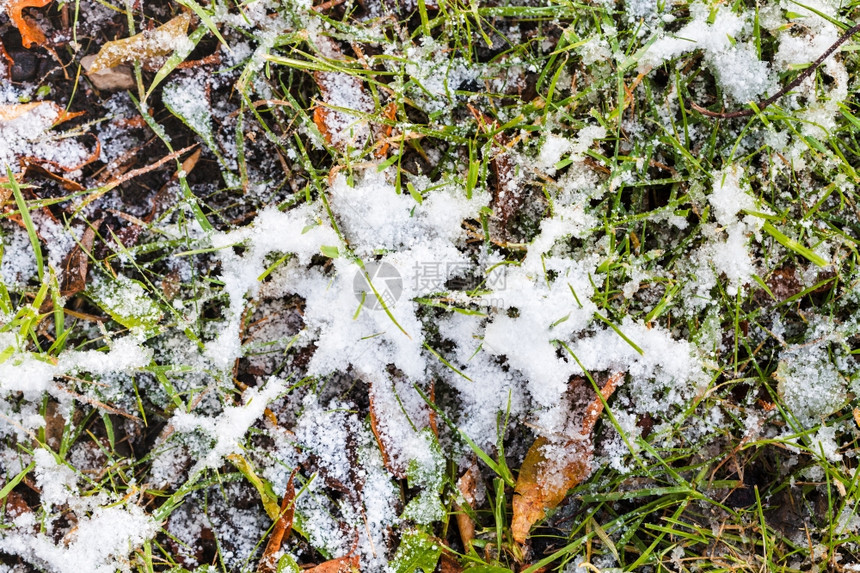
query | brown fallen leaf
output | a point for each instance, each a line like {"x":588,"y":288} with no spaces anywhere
{"x":30,"y":31}
{"x":395,"y":469}
{"x":381,"y":414}
{"x":449,"y":564}
{"x":467,"y":484}
{"x":382,"y":132}
{"x":552,"y":468}
{"x":77,"y":263}
{"x":282,"y":529}
{"x":342,"y":565}
{"x":54,"y":425}
{"x":341,"y":128}
{"x":147,"y":45}
{"x":507,"y":195}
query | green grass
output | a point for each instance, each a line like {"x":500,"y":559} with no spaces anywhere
{"x":727,"y":476}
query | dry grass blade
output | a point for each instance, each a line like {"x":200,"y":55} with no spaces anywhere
{"x":552,"y":467}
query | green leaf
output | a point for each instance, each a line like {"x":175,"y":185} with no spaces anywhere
{"x":287,"y":564}
{"x":329,"y":251}
{"x":264,"y":488}
{"x":793,"y":245}
{"x":126,"y":301}
{"x":15,"y":481}
{"x":417,"y":551}
{"x":28,"y":222}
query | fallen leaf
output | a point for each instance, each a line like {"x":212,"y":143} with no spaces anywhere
{"x":340,"y":565}
{"x":383,"y":131}
{"x":552,"y":467}
{"x":282,"y":529}
{"x":30,"y":31}
{"x":54,"y":425}
{"x":77,"y":264}
{"x":467,"y":484}
{"x":507,"y":195}
{"x":448,"y":564}
{"x":147,"y":45}
{"x":395,"y":469}
{"x":48,"y":109}
{"x":339,"y":127}
{"x":346,"y":92}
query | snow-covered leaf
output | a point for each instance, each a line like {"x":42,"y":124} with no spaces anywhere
{"x":146,"y":45}
{"x":552,"y":467}
{"x":418,"y":551}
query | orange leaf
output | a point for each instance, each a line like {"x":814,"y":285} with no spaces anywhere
{"x":13,"y":111}
{"x":282,"y":529}
{"x":552,"y":467}
{"x":467,"y":484}
{"x":30,"y":32}
{"x":341,"y":128}
{"x":341,"y":565}
{"x":161,"y":41}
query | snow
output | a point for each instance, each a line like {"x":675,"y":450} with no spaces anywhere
{"x":728,"y":198}
{"x":809,"y":383}
{"x":32,"y":375}
{"x":106,"y":530}
{"x":514,"y":347}
{"x":228,"y":429}
{"x":739,"y":71}
{"x":29,"y":134}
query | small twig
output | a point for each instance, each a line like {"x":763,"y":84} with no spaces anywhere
{"x":788,"y":87}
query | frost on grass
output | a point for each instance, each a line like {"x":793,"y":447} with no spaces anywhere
{"x":234,"y":331}
{"x":810,"y":384}
{"x":105,"y":532}
{"x":738,"y":69}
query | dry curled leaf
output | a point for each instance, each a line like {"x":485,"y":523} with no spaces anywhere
{"x":30,"y":31}
{"x":282,"y":529}
{"x":552,"y":467}
{"x":340,"y":565}
{"x":147,"y":45}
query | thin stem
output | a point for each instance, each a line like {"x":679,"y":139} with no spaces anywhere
{"x":787,"y":88}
